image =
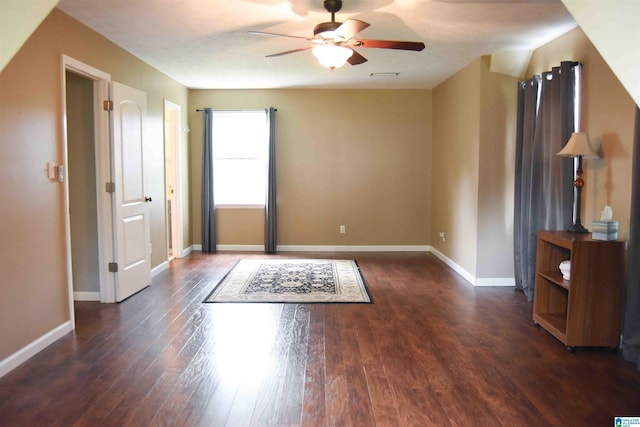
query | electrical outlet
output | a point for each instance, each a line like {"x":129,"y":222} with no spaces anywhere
{"x":343,"y":229}
{"x":443,"y":236}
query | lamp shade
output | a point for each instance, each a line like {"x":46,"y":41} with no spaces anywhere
{"x":332,"y":56}
{"x":579,"y":145}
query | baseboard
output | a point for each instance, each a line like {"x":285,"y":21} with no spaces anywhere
{"x":322,"y":248}
{"x":473,"y":280}
{"x":25,"y":353}
{"x":455,"y":267}
{"x":237,"y":248}
{"x":186,"y":251}
{"x":240,"y":248}
{"x":495,"y":281}
{"x":86,"y":296}
{"x":159,"y":268}
{"x":352,"y":248}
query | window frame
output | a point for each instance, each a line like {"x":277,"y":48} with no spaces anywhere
{"x":264,"y":159}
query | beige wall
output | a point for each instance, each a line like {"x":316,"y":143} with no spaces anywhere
{"x":359,"y":158}
{"x":498,"y":115}
{"x":472,"y":187}
{"x":33,"y":290}
{"x":607,"y":114}
{"x":456,"y":146}
{"x":240,"y":226}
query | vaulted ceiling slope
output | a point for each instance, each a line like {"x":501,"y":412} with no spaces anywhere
{"x":613,"y":26}
{"x":206,"y":44}
{"x":18,"y":20}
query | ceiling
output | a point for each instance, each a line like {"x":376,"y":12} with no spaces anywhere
{"x":206,"y":44}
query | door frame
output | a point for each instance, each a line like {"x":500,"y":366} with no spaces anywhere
{"x":102,"y":142}
{"x":175,"y":172}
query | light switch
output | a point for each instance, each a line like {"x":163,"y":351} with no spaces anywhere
{"x":51,"y":170}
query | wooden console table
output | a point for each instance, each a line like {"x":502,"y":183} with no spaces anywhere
{"x":585,"y":310}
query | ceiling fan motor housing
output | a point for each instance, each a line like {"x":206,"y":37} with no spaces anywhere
{"x":333,"y":5}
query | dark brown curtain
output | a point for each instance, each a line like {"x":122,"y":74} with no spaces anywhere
{"x":631,"y":325}
{"x":543,"y":183}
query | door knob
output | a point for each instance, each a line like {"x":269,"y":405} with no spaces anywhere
{"x":148,"y":199}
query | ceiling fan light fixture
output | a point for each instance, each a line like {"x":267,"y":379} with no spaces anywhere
{"x":332,"y":56}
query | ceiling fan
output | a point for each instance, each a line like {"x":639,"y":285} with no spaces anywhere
{"x":333,"y":42}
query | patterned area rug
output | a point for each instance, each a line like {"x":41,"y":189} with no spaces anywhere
{"x":292,"y":281}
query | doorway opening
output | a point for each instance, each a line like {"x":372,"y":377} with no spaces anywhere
{"x":85,"y":136}
{"x":81,"y":167}
{"x":172,"y":148}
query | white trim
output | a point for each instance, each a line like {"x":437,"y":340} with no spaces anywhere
{"x":354,"y":248}
{"x":159,"y":268}
{"x":222,"y":248}
{"x":244,"y":248}
{"x":495,"y":281}
{"x":455,"y":267}
{"x":321,"y":248}
{"x":25,"y":353}
{"x":473,"y":280}
{"x":86,"y":296}
{"x":237,"y":206}
{"x":186,"y":251}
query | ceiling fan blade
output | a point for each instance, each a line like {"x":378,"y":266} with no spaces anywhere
{"x":262,"y":33}
{"x":287,"y":52}
{"x":350,"y":28}
{"x":356,"y":58}
{"x":390,"y":44}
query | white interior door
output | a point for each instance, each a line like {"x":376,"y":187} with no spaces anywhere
{"x":131,"y":213}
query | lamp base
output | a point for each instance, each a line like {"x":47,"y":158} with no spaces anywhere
{"x":577,"y":228}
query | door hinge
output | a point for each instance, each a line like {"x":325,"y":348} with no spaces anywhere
{"x":108,"y":105}
{"x":113,"y":267}
{"x":110,"y":187}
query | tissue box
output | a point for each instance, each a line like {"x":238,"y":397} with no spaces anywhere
{"x":604,"y":230}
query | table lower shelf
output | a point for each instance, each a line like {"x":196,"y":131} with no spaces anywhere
{"x":554,"y":323}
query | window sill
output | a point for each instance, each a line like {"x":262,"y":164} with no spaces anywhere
{"x":239,"y":206}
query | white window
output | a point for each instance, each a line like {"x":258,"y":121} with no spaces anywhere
{"x":240,"y":149}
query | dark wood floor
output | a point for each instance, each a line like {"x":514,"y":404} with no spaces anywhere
{"x":431,"y":351}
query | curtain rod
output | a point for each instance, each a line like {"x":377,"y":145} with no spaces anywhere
{"x":198,"y":111}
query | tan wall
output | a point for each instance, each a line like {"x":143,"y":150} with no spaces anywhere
{"x":456,"y":142}
{"x":33,"y":290}
{"x":473,"y":149}
{"x":240,"y":226}
{"x":607,"y":114}
{"x":359,"y":158}
{"x":498,"y":116}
